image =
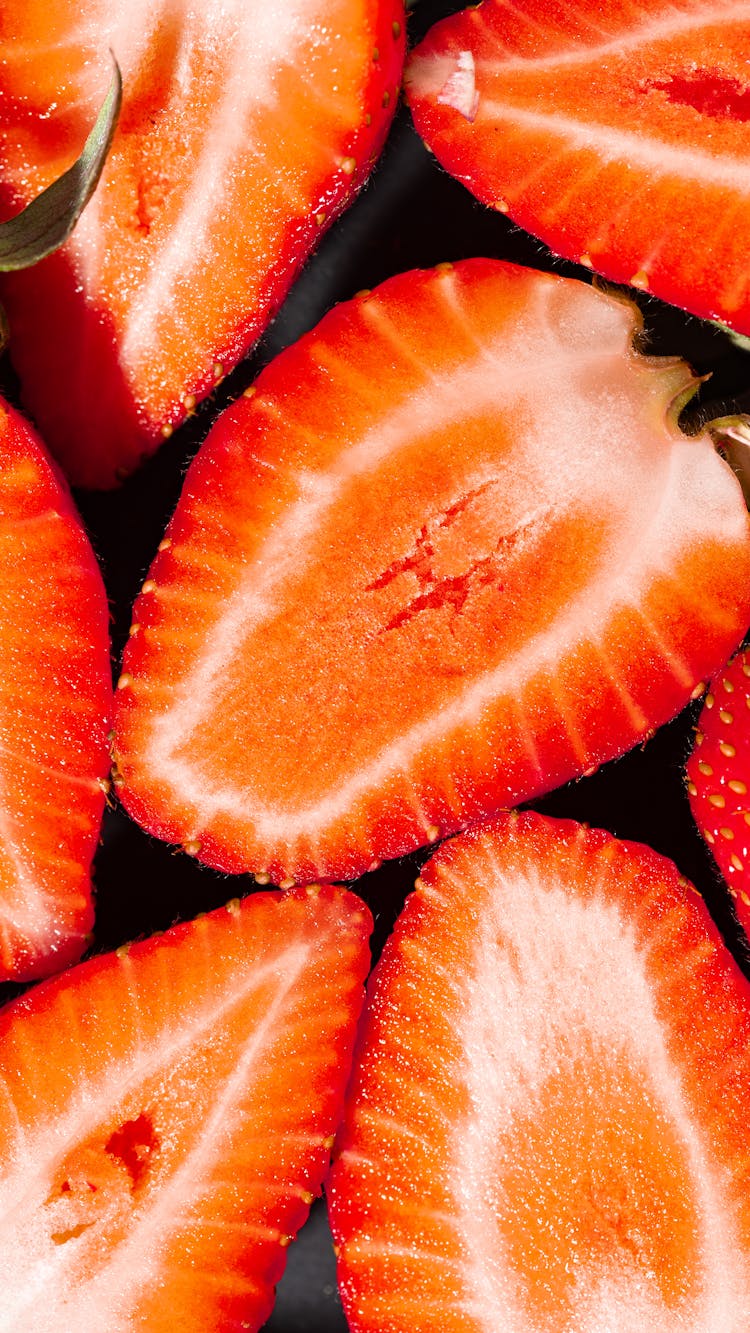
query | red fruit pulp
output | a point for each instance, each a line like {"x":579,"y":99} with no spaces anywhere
{"x":55,"y":711}
{"x":546,"y":1125}
{"x":453,"y":551}
{"x":245,"y":129}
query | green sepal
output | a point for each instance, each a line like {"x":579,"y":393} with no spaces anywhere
{"x":48,"y":220}
{"x":731,"y":436}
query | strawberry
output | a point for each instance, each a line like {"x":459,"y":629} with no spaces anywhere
{"x":55,"y":711}
{"x":618,"y":134}
{"x":245,"y":129}
{"x":718,"y":773}
{"x":547,"y":1121}
{"x":452,"y":551}
{"x":168,"y":1113}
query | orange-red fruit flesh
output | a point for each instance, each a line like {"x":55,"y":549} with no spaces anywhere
{"x":167,"y":1114}
{"x":452,"y":552}
{"x":718,"y":773}
{"x":618,"y":133}
{"x":55,"y":711}
{"x":246,"y":128}
{"x":547,"y":1122}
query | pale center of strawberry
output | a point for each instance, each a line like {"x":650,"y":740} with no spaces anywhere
{"x":584,"y":1185}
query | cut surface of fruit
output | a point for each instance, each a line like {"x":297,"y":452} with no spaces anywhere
{"x":546,"y":1125}
{"x":55,"y":711}
{"x":619,"y":134}
{"x":718,"y":774}
{"x":451,"y":552}
{"x":167,"y":1117}
{"x":245,"y":129}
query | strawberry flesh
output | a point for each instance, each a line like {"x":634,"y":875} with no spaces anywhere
{"x":245,"y":129}
{"x":55,"y":711}
{"x":617,"y":134}
{"x":168,"y":1113}
{"x":546,"y":1126}
{"x":452,"y":552}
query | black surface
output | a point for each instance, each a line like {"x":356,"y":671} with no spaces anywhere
{"x":411,"y":214}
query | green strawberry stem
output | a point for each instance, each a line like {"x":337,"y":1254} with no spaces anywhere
{"x":731,"y":436}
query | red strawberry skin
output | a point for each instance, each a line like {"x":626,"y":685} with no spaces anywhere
{"x":55,"y":711}
{"x":546,"y":1126}
{"x":452,"y":552}
{"x":245,"y":130}
{"x":718,"y":773}
{"x":168,"y":1113}
{"x":619,"y":134}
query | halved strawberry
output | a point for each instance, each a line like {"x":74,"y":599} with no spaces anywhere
{"x":451,"y":552}
{"x":167,"y":1117}
{"x":55,"y":711}
{"x":547,"y":1122}
{"x":617,"y":133}
{"x":718,"y":773}
{"x":245,"y":129}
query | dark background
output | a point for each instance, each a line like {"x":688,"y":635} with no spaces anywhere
{"x":411,"y":214}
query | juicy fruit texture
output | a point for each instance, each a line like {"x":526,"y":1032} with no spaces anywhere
{"x":546,"y":1126}
{"x":167,"y":1117}
{"x":618,"y":134}
{"x":414,"y":578}
{"x":718,"y":774}
{"x":55,"y":711}
{"x":245,"y":129}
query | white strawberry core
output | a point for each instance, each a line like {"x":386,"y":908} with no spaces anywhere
{"x":571,"y":1084}
{"x":459,"y":89}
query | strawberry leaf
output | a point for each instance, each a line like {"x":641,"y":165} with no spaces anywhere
{"x":48,"y":220}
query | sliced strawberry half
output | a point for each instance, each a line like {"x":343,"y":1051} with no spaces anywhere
{"x":619,"y":134}
{"x":245,"y":129}
{"x":718,"y":773}
{"x":451,"y":552}
{"x":168,"y":1113}
{"x":55,"y":711}
{"x":547,"y":1121}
